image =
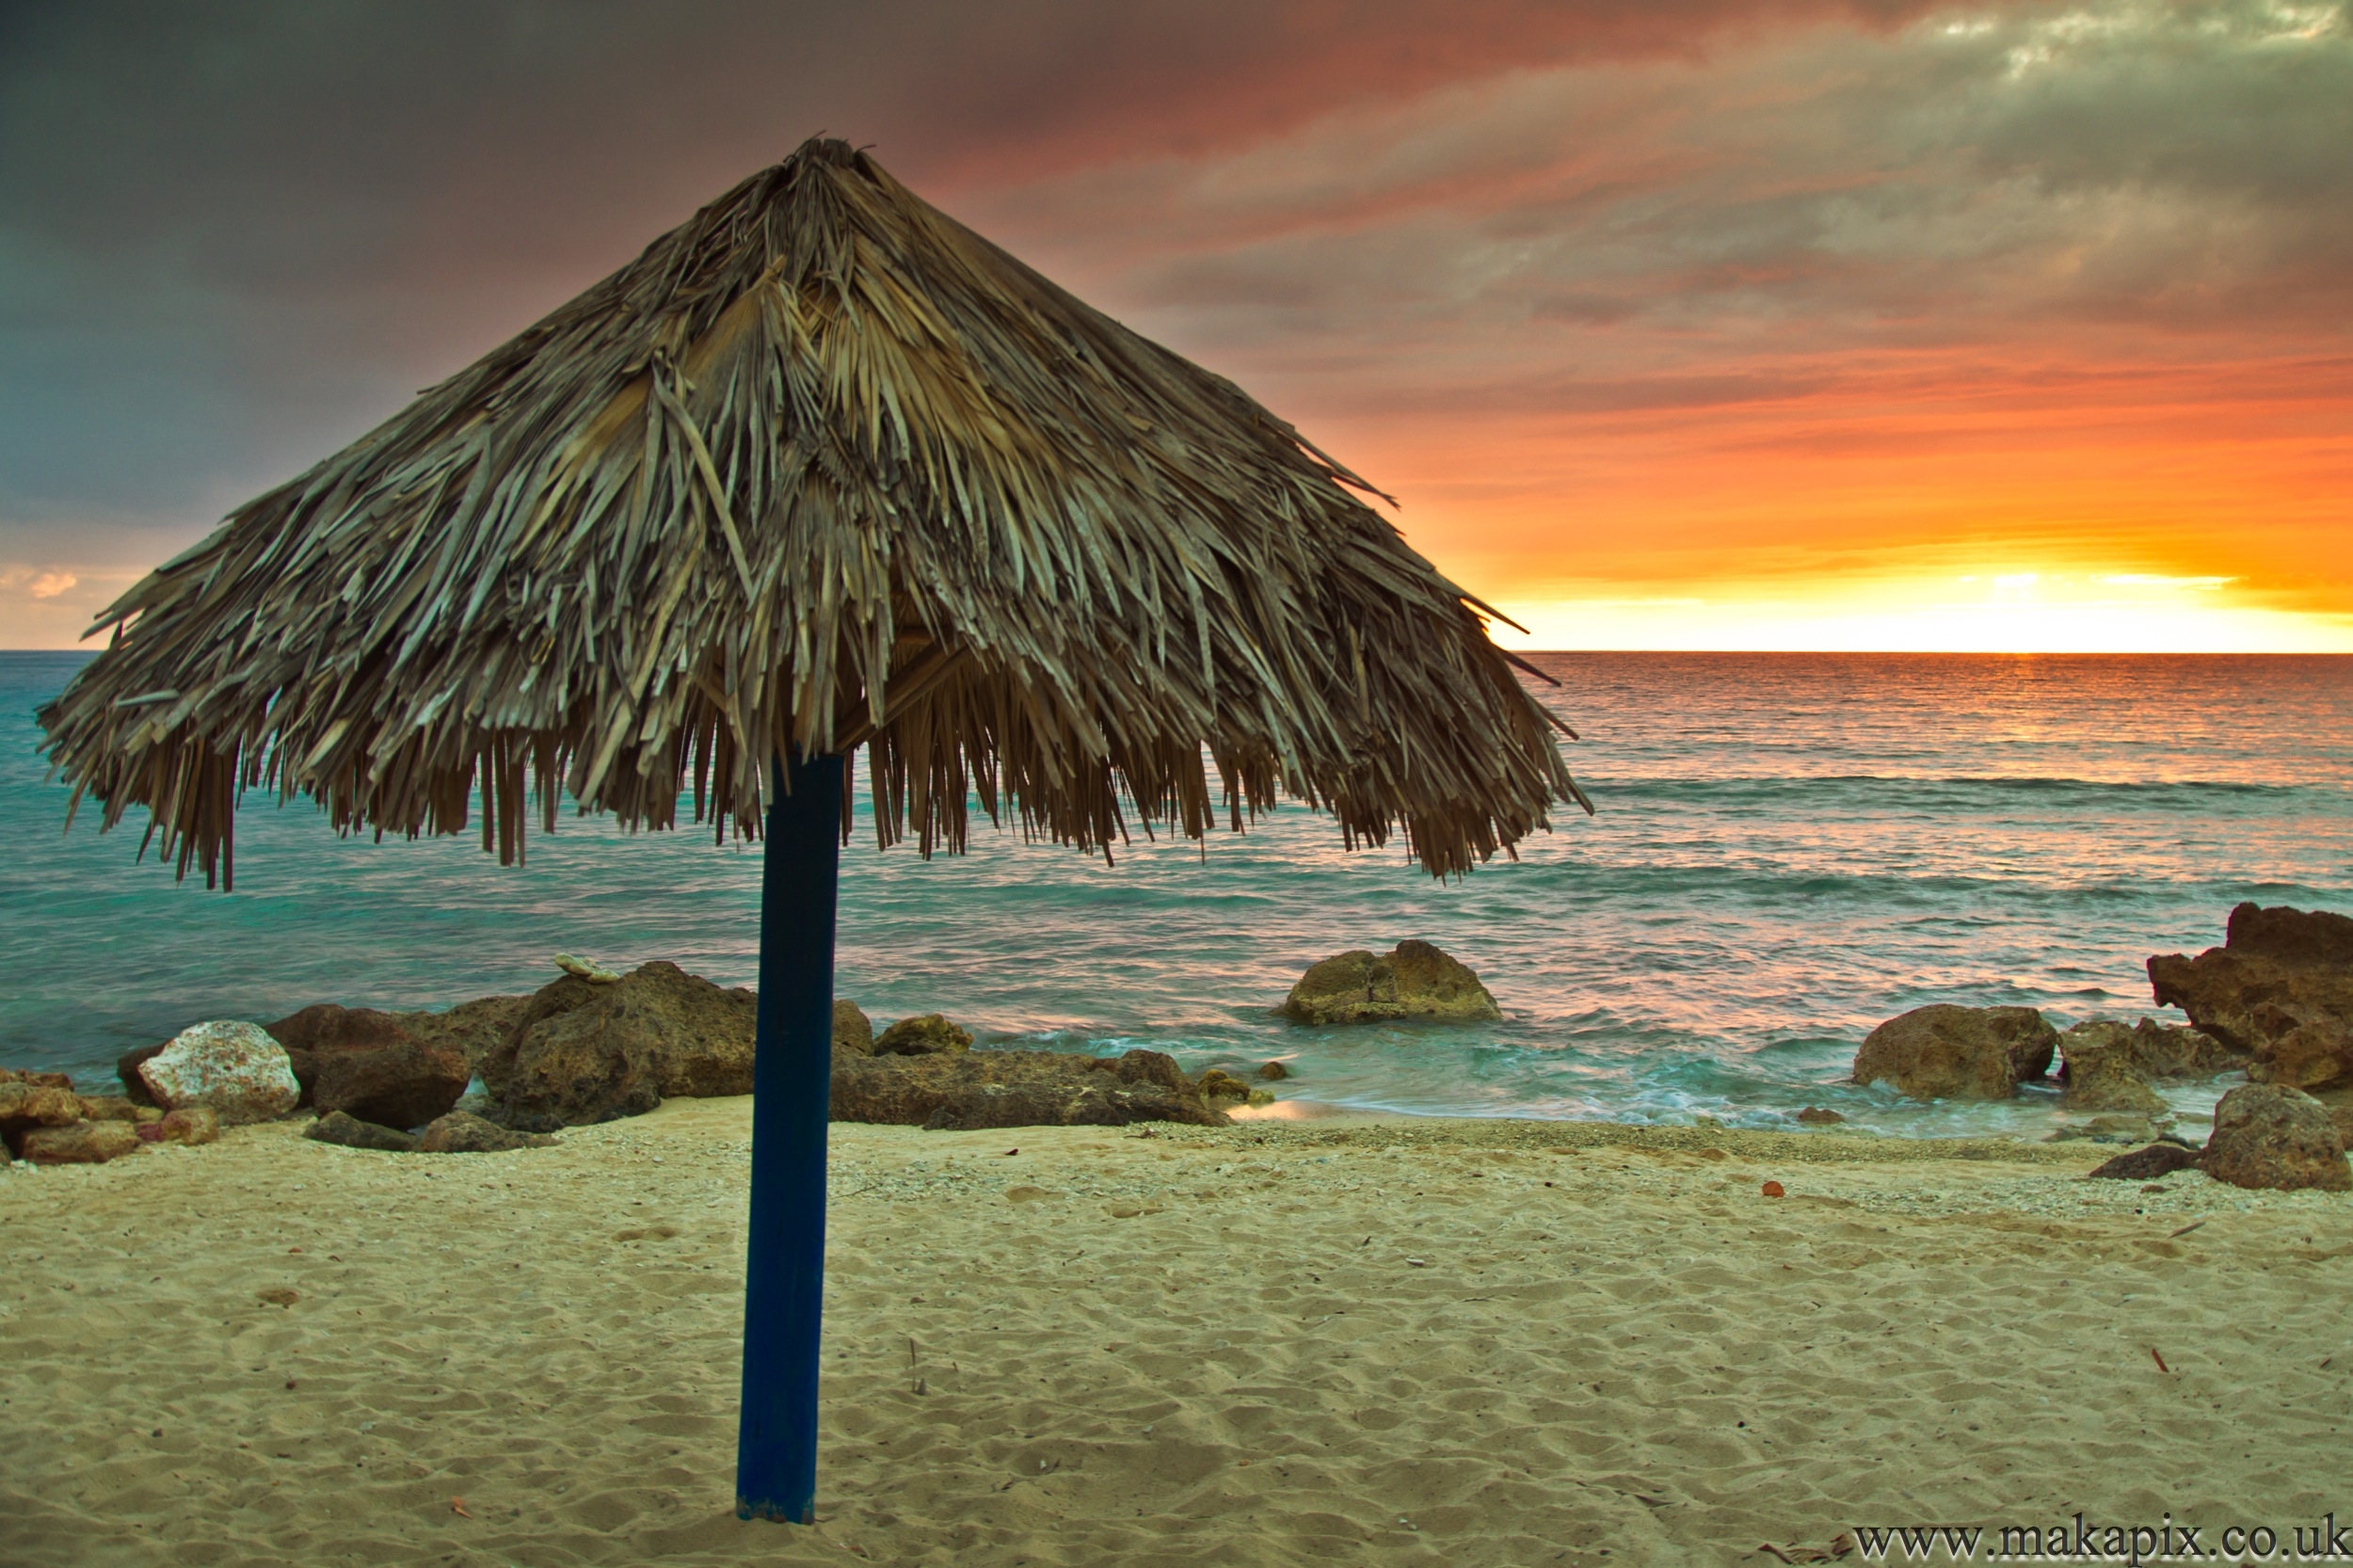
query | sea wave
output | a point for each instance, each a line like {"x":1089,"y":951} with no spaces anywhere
{"x":1788,"y":851}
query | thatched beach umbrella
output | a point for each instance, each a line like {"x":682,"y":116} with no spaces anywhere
{"x":822,"y":469}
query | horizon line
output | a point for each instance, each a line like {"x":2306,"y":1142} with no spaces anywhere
{"x":1803,"y":653}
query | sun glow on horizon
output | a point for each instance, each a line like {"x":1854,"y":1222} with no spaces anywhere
{"x":1995,"y":611}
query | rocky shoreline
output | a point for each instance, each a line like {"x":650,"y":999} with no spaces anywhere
{"x":2274,"y":1004}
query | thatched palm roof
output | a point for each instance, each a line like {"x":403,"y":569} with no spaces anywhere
{"x":822,"y":468}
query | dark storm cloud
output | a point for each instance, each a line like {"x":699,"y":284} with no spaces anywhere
{"x":1955,"y":188}
{"x":230,"y":233}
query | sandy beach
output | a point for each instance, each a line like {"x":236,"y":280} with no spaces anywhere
{"x":1282,"y":1341}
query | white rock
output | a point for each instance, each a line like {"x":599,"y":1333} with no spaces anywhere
{"x":587,"y":969}
{"x":233,"y":1067}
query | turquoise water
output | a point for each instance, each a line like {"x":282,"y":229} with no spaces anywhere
{"x":1789,"y":849}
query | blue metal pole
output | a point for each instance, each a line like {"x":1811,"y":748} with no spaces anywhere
{"x":776,"y":1452}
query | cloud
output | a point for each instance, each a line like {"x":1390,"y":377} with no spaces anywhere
{"x":1700,"y":277}
{"x":232,"y":235}
{"x":2178,"y":169}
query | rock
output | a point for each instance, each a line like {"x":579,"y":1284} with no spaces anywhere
{"x":234,"y":1067}
{"x":350,"y":1132}
{"x":2340,"y":1109}
{"x":36,"y":1081}
{"x":1215,"y":1086}
{"x":2269,"y":1135}
{"x":853,"y":1031}
{"x":2149,"y":1164}
{"x":2100,"y":1067}
{"x":926,"y":1035}
{"x":27,"y":1106}
{"x":474,"y":1028}
{"x":2318,"y":938}
{"x":111,"y":1108}
{"x":191,"y":1125}
{"x":2171,"y":1051}
{"x":549,"y":1000}
{"x":2313,"y":1054}
{"x":587,"y":969}
{"x":127,"y":1067}
{"x":585,"y":1053}
{"x":1273,"y":1072}
{"x":1813,"y":1115}
{"x":1016,"y":1088}
{"x":459,"y":1133}
{"x":1947,"y":1053}
{"x":577,"y":1068}
{"x":2110,"y":1129}
{"x":1414,"y":981}
{"x":324,"y":1029}
{"x":2279,"y":990}
{"x":79,"y":1143}
{"x":407,"y":1085}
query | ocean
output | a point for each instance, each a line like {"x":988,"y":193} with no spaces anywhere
{"x":1788,"y":850}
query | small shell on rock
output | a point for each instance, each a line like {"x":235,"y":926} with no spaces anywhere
{"x":588,"y":969}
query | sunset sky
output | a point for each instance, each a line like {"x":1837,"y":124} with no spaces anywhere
{"x":1671,"y":323}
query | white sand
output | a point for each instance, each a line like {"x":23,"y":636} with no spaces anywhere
{"x":1458,"y":1342}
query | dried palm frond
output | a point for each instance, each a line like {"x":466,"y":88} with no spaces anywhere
{"x":820,"y":469}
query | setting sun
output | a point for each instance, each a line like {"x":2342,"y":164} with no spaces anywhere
{"x":1992,"y":612}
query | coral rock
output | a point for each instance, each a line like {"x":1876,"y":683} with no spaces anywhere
{"x":236,"y":1068}
{"x":853,"y":1031}
{"x":583,"y":1053}
{"x":2101,"y":1063}
{"x":473,"y":1029}
{"x":461,"y":1134}
{"x":2171,"y":1051}
{"x":1028,"y":1088}
{"x":929,"y":1034}
{"x":2271,"y":1135}
{"x":127,"y":1067}
{"x":80,"y":1142}
{"x":2152,"y":1163}
{"x":587,"y":969}
{"x":350,"y":1132}
{"x":190,"y":1124}
{"x":1813,"y":1115}
{"x":324,"y":1030}
{"x":1947,"y":1053}
{"x":2279,"y":988}
{"x":25,"y":1106}
{"x":1215,"y":1086}
{"x":405,"y":1084}
{"x":1414,"y":980}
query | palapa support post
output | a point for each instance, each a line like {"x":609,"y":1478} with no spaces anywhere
{"x":776,"y":1454}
